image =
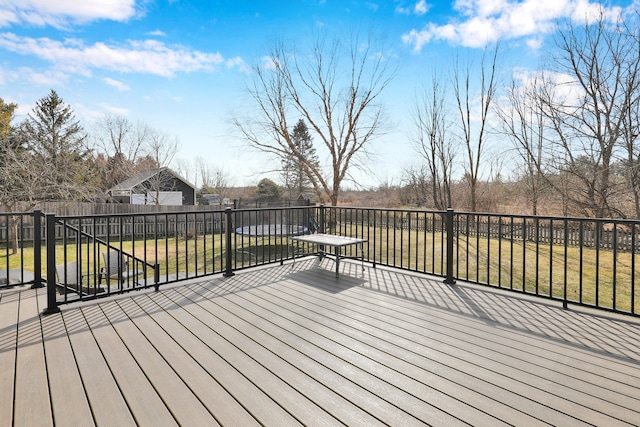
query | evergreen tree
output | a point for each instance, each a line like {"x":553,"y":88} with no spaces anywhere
{"x":267,"y":190}
{"x":296,"y":166}
{"x":57,"y":143}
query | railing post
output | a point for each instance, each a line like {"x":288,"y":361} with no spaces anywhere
{"x":156,"y":277}
{"x":52,"y":303}
{"x":565,"y":302}
{"x":449,"y":217}
{"x":37,"y":249}
{"x":322,"y":219}
{"x":229,"y":229}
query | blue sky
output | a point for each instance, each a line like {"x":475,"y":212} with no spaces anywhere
{"x":181,"y":65}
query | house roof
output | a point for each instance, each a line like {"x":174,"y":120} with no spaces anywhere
{"x":134,"y":181}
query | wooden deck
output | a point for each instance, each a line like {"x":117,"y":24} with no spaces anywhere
{"x":286,"y":345}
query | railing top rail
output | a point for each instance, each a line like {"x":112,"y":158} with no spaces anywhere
{"x":388,"y":209}
{"x":140,"y":214}
{"x":272,"y":208}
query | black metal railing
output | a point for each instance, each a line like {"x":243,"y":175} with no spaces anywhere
{"x":591,"y":262}
{"x":20,"y":263}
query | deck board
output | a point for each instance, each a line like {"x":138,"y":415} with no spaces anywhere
{"x":202,"y":343}
{"x":32,"y":406}
{"x":239,"y":351}
{"x":557,"y":370}
{"x":101,"y":389}
{"x":147,"y":408}
{"x":293,"y":345}
{"x":476,"y":379}
{"x":179,"y":399}
{"x":369,"y":375}
{"x":223,"y":408}
{"x":289,"y":360}
{"x":68,"y":397}
{"x":9,"y":306}
{"x":407,"y":360}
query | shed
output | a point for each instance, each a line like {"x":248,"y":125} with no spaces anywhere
{"x":161,"y":186}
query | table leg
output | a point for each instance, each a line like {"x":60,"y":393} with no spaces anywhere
{"x":337,"y":261}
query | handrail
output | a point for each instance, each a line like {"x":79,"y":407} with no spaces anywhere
{"x":107,"y":244}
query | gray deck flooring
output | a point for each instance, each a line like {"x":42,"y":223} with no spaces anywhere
{"x":293,"y":345}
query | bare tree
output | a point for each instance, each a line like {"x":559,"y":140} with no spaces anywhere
{"x":432,"y":141}
{"x":17,"y":182}
{"x":588,"y":111}
{"x":522,"y":121}
{"x":122,"y":143}
{"x":212,"y":178}
{"x":418,"y":186}
{"x":161,"y":148}
{"x":336,"y":89}
{"x":631,"y":161}
{"x":474,"y":107}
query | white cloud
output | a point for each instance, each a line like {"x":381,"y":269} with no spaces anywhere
{"x":269,"y":63}
{"x":60,"y":13}
{"x":157,"y":33}
{"x":563,"y":88}
{"x":237,"y":62}
{"x":120,"y":86}
{"x":145,"y":57}
{"x":52,"y":77}
{"x":487,"y":21}
{"x":421,"y":8}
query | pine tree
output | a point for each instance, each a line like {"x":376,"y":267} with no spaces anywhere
{"x":296,"y":166}
{"x":57,"y":143}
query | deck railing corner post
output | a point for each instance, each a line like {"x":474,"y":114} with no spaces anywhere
{"x":449,"y":218}
{"x":50,"y":227}
{"x":228,"y":272}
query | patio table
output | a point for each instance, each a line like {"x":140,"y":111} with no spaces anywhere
{"x":274,"y":230}
{"x":338,"y":242}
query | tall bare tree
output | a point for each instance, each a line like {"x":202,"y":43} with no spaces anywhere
{"x":522,"y":121}
{"x":433,"y":143}
{"x":588,"y":111}
{"x":336,"y":88}
{"x":474,"y":106}
{"x":160,"y":148}
{"x":18,"y":176}
{"x":122,"y":143}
